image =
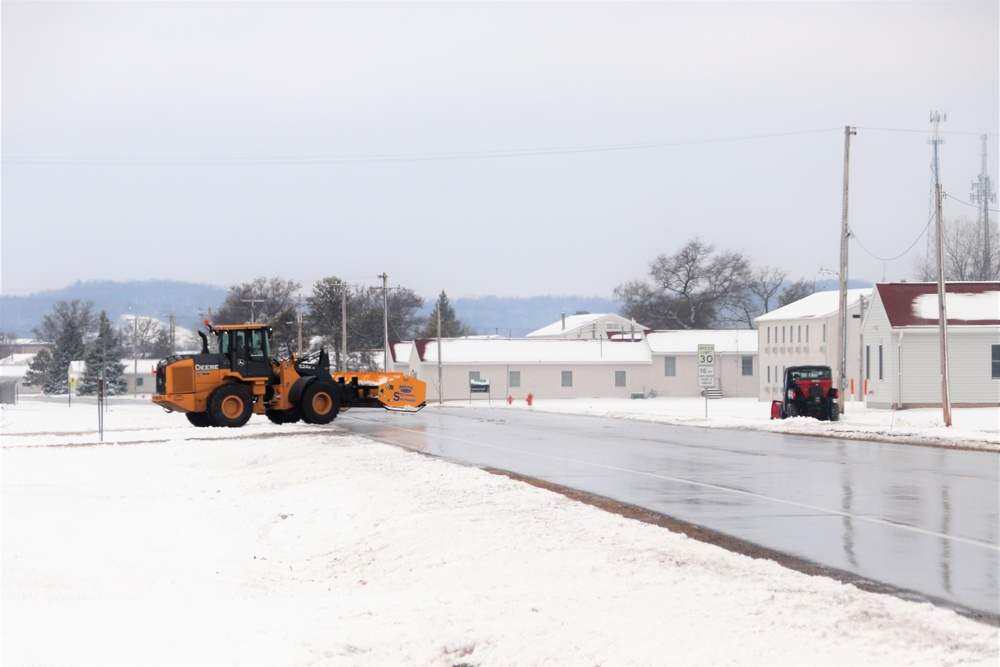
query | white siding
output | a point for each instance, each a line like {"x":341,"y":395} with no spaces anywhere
{"x":912,"y":364}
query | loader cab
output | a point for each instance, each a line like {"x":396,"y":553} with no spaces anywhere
{"x":247,"y":348}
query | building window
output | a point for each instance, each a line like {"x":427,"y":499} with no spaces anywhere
{"x":868,"y":362}
{"x":567,"y":378}
{"x":807,"y":334}
{"x":514,"y":378}
{"x":800,"y":333}
{"x":747,"y":366}
{"x":996,"y":362}
{"x":473,"y":375}
{"x":824,"y":333}
{"x":769,"y":375}
{"x":670,"y":366}
{"x":769,"y":335}
{"x":138,"y":381}
{"x":782,"y":335}
{"x":619,"y":378}
{"x":879,"y":362}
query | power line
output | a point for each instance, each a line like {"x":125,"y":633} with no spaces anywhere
{"x":891,"y":259}
{"x":375,"y":159}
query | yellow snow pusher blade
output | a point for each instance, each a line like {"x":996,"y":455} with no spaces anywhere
{"x":393,"y":391}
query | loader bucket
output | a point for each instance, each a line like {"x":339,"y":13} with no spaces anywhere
{"x":776,"y":410}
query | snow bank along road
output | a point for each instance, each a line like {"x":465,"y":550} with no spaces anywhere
{"x":919,"y":519}
{"x":293,"y":545}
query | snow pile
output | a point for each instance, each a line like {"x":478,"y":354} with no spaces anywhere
{"x":300,"y":544}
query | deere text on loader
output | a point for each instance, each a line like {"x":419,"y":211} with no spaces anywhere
{"x":240,"y":378}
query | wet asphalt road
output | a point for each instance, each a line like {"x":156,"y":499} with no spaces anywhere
{"x":920,"y":519}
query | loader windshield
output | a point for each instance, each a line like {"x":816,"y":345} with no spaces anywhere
{"x":253,"y":344}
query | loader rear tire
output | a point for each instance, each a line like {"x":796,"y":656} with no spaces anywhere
{"x":230,"y":405}
{"x":320,"y":403}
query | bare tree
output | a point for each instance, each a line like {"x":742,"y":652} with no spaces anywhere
{"x":695,"y":288}
{"x":755,"y":299}
{"x":365,"y":319}
{"x":970,"y":253}
{"x":263,"y":301}
{"x":141,"y":333}
{"x":8,"y":343}
{"x":77,"y":313}
{"x":800,"y":289}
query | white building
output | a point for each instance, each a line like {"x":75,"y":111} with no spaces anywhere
{"x":675,"y":361}
{"x":664,"y":363}
{"x":808,"y":332}
{"x":902,"y":349}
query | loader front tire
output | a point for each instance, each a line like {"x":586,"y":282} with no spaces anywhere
{"x":230,"y":405}
{"x":200,"y":419}
{"x":320,"y":403}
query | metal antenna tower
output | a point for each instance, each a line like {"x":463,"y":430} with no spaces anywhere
{"x":935,"y":141}
{"x":983,"y":194}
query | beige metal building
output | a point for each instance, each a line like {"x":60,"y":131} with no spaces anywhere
{"x":808,"y":332}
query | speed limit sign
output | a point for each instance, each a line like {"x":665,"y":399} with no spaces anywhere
{"x":706,"y":355}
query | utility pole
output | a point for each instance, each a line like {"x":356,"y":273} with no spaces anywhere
{"x":845,"y":232}
{"x":135,"y":356}
{"x":942,"y":314}
{"x":299,"y":318}
{"x":252,"y":302}
{"x":343,"y":328}
{"x":172,"y":336}
{"x":440,"y":380}
{"x":385,"y":317}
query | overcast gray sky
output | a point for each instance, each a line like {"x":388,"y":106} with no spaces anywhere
{"x":512,"y":149}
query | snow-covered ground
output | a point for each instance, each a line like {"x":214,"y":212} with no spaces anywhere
{"x":977,"y":428}
{"x":298,"y":544}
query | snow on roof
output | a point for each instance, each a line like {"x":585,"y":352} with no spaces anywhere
{"x":531,"y":351}
{"x":687,"y":341}
{"x":916,"y":304}
{"x":576,"y":322}
{"x":817,"y":304}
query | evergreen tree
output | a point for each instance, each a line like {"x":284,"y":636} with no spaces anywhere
{"x":39,"y":369}
{"x":69,"y":348}
{"x":451,"y":326}
{"x":105,"y":356}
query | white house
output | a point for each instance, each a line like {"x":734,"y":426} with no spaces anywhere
{"x":808,"y":332}
{"x":902,"y":348}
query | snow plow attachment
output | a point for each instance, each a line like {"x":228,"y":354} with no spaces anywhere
{"x":393,"y":391}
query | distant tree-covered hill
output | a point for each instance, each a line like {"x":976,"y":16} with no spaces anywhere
{"x":148,"y":298}
{"x":189,"y":303}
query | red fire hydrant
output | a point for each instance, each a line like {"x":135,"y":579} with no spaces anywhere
{"x":530,"y":397}
{"x":510,"y":400}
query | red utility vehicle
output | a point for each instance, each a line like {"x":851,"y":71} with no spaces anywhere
{"x":808,"y":391}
